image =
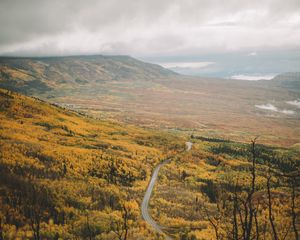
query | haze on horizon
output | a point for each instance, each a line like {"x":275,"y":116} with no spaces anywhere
{"x":235,"y":38}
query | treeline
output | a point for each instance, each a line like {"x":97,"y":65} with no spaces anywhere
{"x":209,"y":139}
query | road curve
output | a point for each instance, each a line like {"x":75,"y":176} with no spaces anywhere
{"x":188,"y":146}
{"x":146,"y":199}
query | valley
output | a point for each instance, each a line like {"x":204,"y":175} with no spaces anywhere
{"x":65,"y":175}
{"x":149,"y":120}
{"x":86,"y":159}
{"x":123,"y":88}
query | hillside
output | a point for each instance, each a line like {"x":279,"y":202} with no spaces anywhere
{"x":123,"y":88}
{"x":68,"y":176}
{"x":60,"y":168}
{"x":39,"y":75}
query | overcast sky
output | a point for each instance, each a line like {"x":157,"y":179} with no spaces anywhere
{"x":147,"y":27}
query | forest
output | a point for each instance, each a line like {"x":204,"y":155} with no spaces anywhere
{"x":66,"y":175}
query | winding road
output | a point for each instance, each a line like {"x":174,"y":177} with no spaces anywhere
{"x":145,"y":203}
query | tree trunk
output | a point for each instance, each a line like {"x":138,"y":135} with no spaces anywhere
{"x":249,"y":199}
{"x":235,"y":222}
{"x":256,"y":225}
{"x":271,"y":218}
{"x":293,"y":210}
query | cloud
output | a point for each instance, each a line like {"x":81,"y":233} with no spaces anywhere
{"x":271,"y":107}
{"x":253,"y":77}
{"x":192,"y":65}
{"x":57,"y":27}
{"x":252,"y":54}
{"x":288,"y":112}
{"x":268,"y":106}
{"x":294,"y":103}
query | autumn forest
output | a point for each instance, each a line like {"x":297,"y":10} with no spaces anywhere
{"x":66,"y":175}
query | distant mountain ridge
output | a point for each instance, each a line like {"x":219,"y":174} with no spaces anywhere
{"x":41,"y":74}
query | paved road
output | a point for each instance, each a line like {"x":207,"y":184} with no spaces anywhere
{"x":145,"y":203}
{"x":188,"y":146}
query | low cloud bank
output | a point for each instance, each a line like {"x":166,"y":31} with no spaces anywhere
{"x":192,"y":65}
{"x":294,"y":103}
{"x":253,"y":77}
{"x":271,"y":107}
